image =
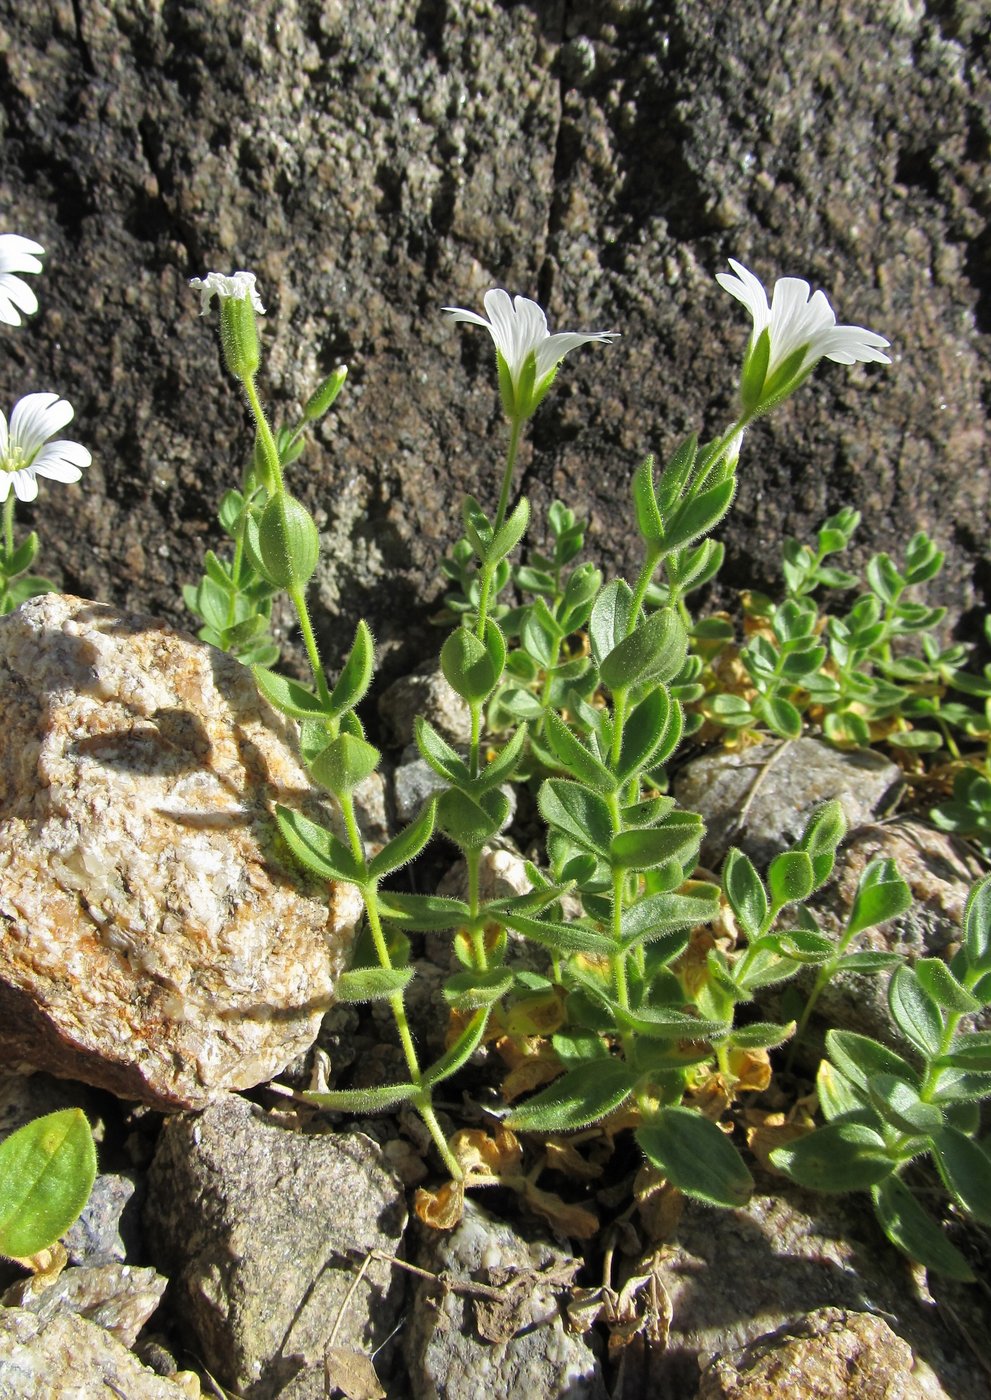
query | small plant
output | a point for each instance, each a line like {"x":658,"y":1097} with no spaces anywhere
{"x":47,"y":1170}
{"x":642,"y":1012}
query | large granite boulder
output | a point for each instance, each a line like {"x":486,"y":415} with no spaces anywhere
{"x":374,"y":163}
{"x":155,"y":939}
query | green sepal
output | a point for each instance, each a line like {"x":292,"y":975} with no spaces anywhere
{"x":47,"y":1170}
{"x":318,"y":849}
{"x":287,"y":695}
{"x":406,"y":846}
{"x":581,"y":1096}
{"x":362,"y":984}
{"x":754,"y":374}
{"x":696,"y":1157}
{"x":842,"y":1156}
{"x":913,"y":1230}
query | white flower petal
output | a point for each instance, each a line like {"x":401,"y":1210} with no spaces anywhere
{"x":3,"y":435}
{"x":239,"y":286}
{"x":25,"y":485}
{"x":15,"y":296}
{"x":17,"y":254}
{"x":5,"y":479}
{"x":61,"y":461}
{"x":555,"y":347}
{"x":35,"y":418}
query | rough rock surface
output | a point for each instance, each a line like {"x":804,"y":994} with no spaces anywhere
{"x":117,"y":1296}
{"x":760,"y":798}
{"x":449,"y":1360}
{"x":374,"y":163}
{"x":734,"y":1275}
{"x":830,"y":1354}
{"x":154,"y":941}
{"x":261,"y":1229}
{"x":65,"y":1355}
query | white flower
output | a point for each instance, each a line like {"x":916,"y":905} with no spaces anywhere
{"x":519,"y":329}
{"x":17,"y":254}
{"x":801,"y":330}
{"x":25,"y":452}
{"x":239,"y":286}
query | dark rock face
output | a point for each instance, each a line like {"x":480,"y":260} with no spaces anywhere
{"x":373,"y":163}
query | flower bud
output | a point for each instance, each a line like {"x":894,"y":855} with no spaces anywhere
{"x":323,"y":398}
{"x":288,"y":543}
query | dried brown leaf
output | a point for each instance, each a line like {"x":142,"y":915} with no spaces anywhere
{"x":441,"y":1209}
{"x":563,"y":1156}
{"x":572,"y":1220}
{"x":751,"y":1067}
{"x":352,"y":1373}
{"x":659,"y":1204}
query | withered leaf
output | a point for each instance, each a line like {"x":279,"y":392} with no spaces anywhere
{"x":352,"y":1373}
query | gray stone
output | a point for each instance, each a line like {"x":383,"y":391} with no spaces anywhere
{"x":732,"y":1276}
{"x":449,"y":1360}
{"x":415,"y":782}
{"x":761,"y":798}
{"x":97,"y":1237}
{"x":64,"y":1355}
{"x":374,"y":163}
{"x":156,"y":940}
{"x":261,"y":1229}
{"x":117,"y":1296}
{"x":426,"y":692}
{"x":831,"y":1354}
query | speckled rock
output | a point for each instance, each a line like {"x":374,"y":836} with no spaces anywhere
{"x":261,"y":1229}
{"x":830,"y":1354}
{"x":761,"y":798}
{"x":117,"y":1296}
{"x":373,"y":163}
{"x":426,"y":692}
{"x":155,"y":941}
{"x":735,"y":1275}
{"x":64,"y":1355}
{"x":449,"y":1360}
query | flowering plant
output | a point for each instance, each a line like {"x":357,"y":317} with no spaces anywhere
{"x":633,"y":1016}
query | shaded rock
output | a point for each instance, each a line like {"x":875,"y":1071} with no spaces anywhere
{"x":116,"y":1296}
{"x":426,"y":692}
{"x":448,"y":1359}
{"x":98,"y":1237}
{"x":155,"y":941}
{"x":830,"y":1354}
{"x":64,"y":1355}
{"x":415,"y":782}
{"x":374,"y":163}
{"x":261,"y":1230}
{"x":734,"y":1275}
{"x":760,"y":799}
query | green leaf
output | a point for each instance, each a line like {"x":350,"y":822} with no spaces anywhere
{"x":471,"y":668}
{"x":510,"y":534}
{"x":540,"y":634}
{"x":356,"y":676}
{"x":901,"y":1106}
{"x":977,"y":926}
{"x":779,"y":715}
{"x":882,"y":894}
{"x":823,"y":832}
{"x":610,"y":618}
{"x":838,"y":1098}
{"x":791,"y":878}
{"x":678,"y":839}
{"x":470,"y":822}
{"x":649,"y":521}
{"x":580,"y":762}
{"x":23,"y":556}
{"x":966,"y":1171}
{"x":914,"y":1011}
{"x":407,"y":845}
{"x":696,"y":1157}
{"x":914,"y":1231}
{"x":318,"y":849}
{"x":47,"y":1170}
{"x":423,"y":913}
{"x":463,"y":1048}
{"x":561,"y":938}
{"x":938,"y":981}
{"x":676,"y":474}
{"x":762,"y":1035}
{"x":860,"y":1058}
{"x":582,"y":815}
{"x":643,"y":733}
{"x":868,"y":963}
{"x":287,"y":695}
{"x":667,"y":1023}
{"x":800,"y":944}
{"x":699,"y":515}
{"x":438,"y":753}
{"x":374,"y":1100}
{"x":659,"y":914}
{"x":581,"y":1096}
{"x":466,"y":991}
{"x":344,"y":764}
{"x":745,"y":891}
{"x":654,"y":651}
{"x":372,"y":983}
{"x":839,"y":1157}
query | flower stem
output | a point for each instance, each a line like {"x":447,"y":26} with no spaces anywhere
{"x":8,"y":524}
{"x":297,"y":596}
{"x":269,"y":447}
{"x":516,"y":428}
